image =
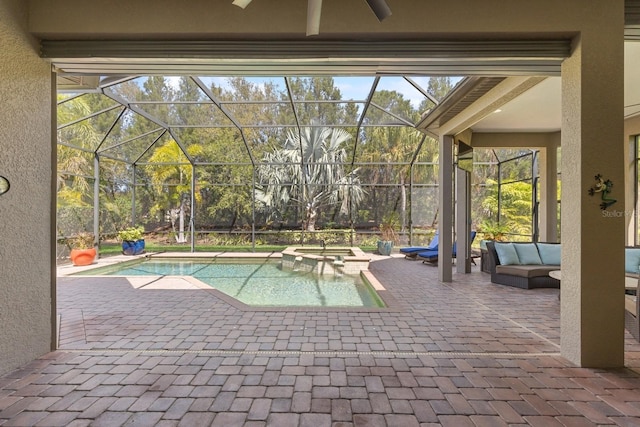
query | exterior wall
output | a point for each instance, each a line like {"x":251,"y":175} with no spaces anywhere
{"x":26,"y":274}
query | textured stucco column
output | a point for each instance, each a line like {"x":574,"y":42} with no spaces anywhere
{"x":592,"y":290}
{"x":445,"y":202}
{"x":26,"y":211}
{"x":548,"y":208}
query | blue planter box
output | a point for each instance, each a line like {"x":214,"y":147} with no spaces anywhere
{"x":385,"y":247}
{"x":130,"y":247}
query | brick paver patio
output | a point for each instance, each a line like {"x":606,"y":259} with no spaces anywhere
{"x":150,"y":352}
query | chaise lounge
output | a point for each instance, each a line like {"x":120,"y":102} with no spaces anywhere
{"x":431,"y":256}
{"x":412,"y":251}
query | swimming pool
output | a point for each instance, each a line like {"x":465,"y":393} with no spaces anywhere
{"x":257,"y":282}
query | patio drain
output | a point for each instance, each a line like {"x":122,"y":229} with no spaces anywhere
{"x":275,"y":353}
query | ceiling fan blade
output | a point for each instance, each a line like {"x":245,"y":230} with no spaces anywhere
{"x":241,"y":3}
{"x":380,"y":8}
{"x":314,"y":9}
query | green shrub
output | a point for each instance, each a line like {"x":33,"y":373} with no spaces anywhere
{"x":131,"y":234}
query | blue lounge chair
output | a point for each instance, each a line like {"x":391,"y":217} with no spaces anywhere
{"x":431,"y":256}
{"x":411,"y":251}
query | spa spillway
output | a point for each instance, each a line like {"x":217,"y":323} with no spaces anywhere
{"x":319,"y":260}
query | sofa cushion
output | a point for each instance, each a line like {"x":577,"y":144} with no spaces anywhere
{"x":507,"y":254}
{"x":631,"y":260}
{"x":527,"y":271}
{"x":549,"y":253}
{"x":527,"y":253}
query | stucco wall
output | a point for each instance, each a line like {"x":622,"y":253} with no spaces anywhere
{"x":25,"y":211}
{"x":592,"y":296}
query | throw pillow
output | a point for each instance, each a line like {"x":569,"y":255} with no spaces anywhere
{"x":549,"y":253}
{"x":507,"y":254}
{"x":631,"y":260}
{"x":527,"y":253}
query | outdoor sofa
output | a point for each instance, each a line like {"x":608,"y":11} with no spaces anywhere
{"x":523,"y":264}
{"x":516,"y":264}
{"x":527,"y":264}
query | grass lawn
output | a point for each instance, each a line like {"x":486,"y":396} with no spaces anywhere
{"x":109,"y":249}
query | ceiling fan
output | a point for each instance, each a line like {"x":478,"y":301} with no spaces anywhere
{"x":379,"y":7}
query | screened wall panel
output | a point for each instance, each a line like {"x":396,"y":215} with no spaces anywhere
{"x":131,"y":150}
{"x":424,"y":208}
{"x":246,"y":161}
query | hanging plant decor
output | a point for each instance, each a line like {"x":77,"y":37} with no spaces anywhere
{"x":603,"y":187}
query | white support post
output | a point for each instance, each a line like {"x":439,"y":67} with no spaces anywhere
{"x":192,"y":221}
{"x":133,"y":196}
{"x":548,"y":209}
{"x":96,"y":203}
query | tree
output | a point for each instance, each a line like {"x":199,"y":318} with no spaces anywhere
{"x":309,"y":169}
{"x":312,"y":90}
{"x":439,"y":87}
{"x":171,"y":178}
{"x":228,"y":197}
{"x":515,"y":206}
{"x":75,"y":166}
{"x":389,"y":149}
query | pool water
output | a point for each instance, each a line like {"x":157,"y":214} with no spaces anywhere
{"x":258,"y":283}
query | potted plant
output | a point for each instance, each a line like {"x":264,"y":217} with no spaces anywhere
{"x":388,"y":234}
{"x":493,"y":231}
{"x":83,"y":251}
{"x":132,"y":240}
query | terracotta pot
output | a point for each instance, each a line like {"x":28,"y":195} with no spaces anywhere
{"x":83,"y":256}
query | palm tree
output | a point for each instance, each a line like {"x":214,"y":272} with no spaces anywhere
{"x":75,"y":165}
{"x":171,"y":179}
{"x":309,"y":169}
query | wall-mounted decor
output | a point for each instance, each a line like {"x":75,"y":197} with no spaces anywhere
{"x":4,"y":185}
{"x":603,"y":187}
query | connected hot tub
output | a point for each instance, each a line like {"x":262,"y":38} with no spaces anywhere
{"x":319,"y":260}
